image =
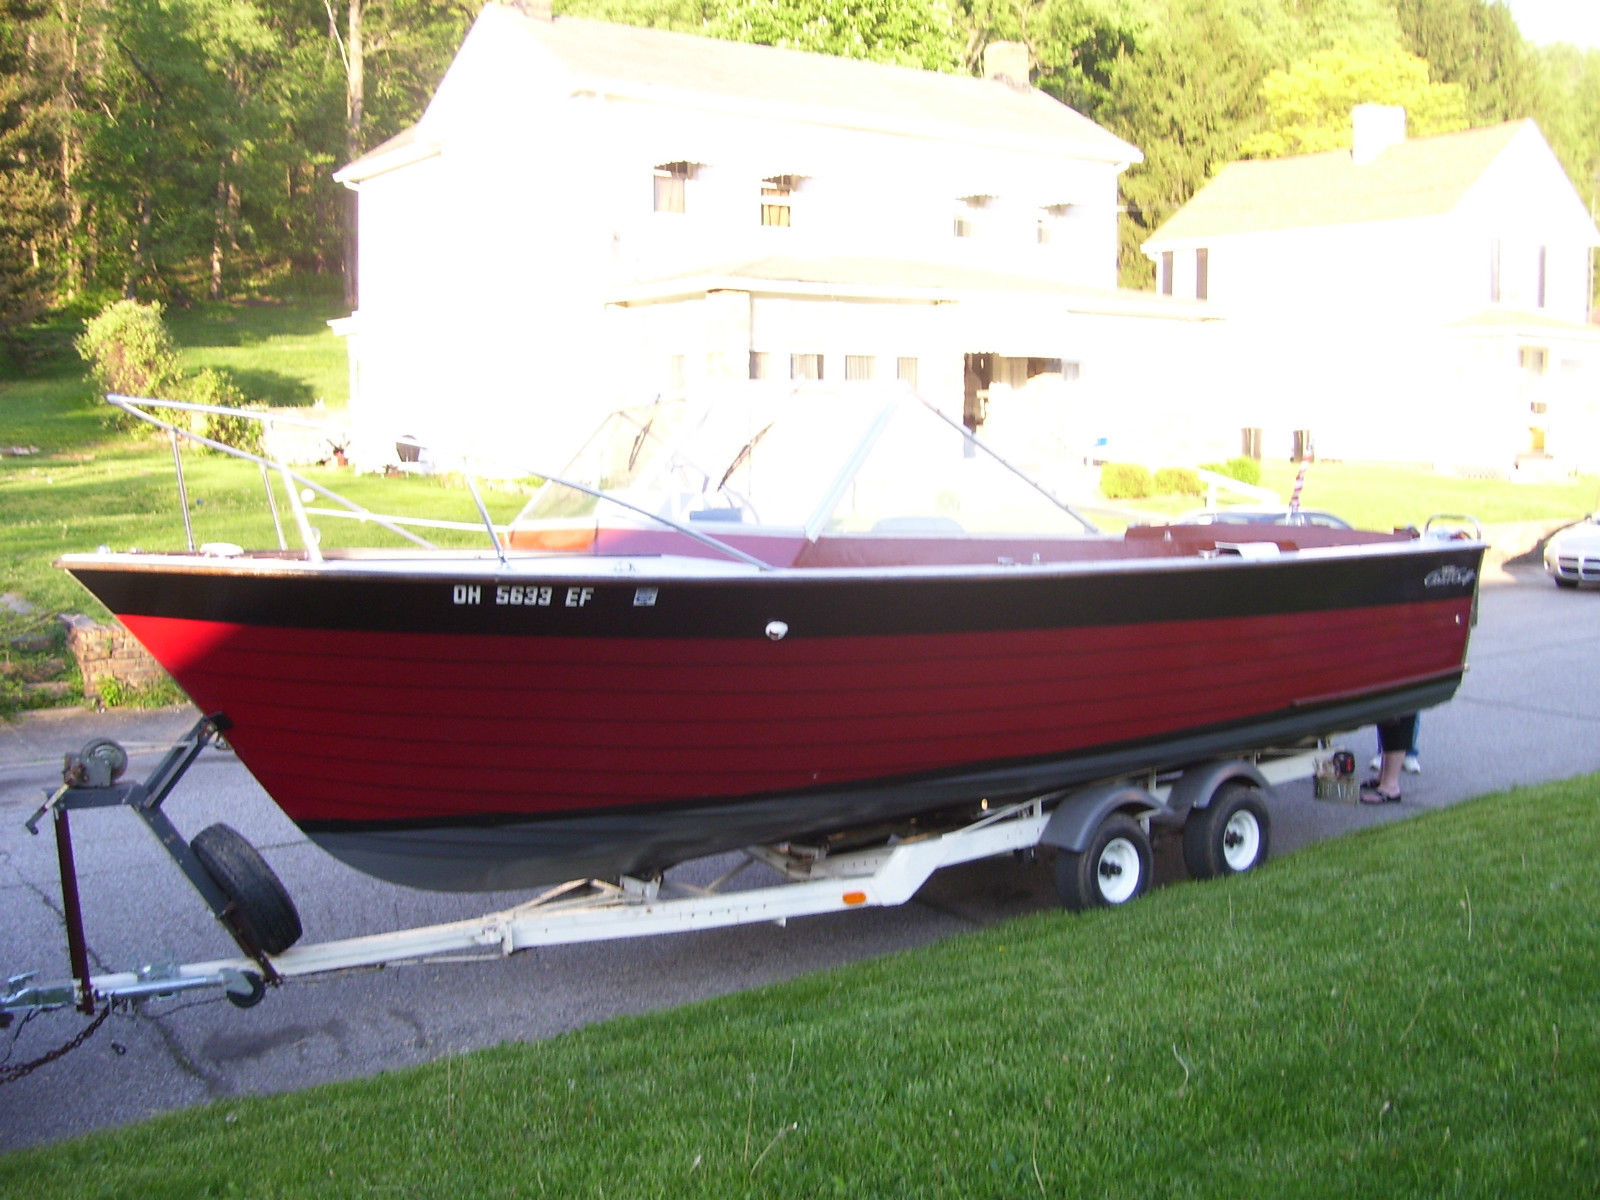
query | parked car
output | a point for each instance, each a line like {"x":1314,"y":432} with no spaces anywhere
{"x":1572,"y":555}
{"x":1267,"y":515}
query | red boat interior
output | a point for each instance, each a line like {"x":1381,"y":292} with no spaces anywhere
{"x":868,"y":550}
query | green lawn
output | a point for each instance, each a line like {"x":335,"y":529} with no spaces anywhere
{"x":1413,"y":1011}
{"x":89,"y":486}
{"x":1374,"y":496}
{"x":1382,"y":496}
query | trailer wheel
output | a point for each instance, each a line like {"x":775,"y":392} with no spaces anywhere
{"x":1113,"y":869}
{"x":260,"y":901}
{"x":1229,"y":836}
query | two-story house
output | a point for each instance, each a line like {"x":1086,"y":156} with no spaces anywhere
{"x":589,"y":214}
{"x":1421,"y":299}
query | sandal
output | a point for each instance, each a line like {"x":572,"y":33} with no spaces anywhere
{"x":1371,"y":793}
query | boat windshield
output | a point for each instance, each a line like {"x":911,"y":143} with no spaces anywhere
{"x":847,"y":460}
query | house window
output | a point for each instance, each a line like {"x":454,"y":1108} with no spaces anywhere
{"x":860,"y":366}
{"x":1070,"y":371}
{"x":1202,"y":273}
{"x":805,"y":366}
{"x":1050,"y":221}
{"x":1494,"y":270}
{"x":967,"y":210}
{"x":670,"y":179}
{"x":905,"y":370}
{"x":760,"y":364}
{"x":1166,"y":273}
{"x":775,"y":193}
{"x":1539,"y":282}
{"x":1533,"y":359}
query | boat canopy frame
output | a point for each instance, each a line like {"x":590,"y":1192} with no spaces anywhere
{"x":350,"y":509}
{"x":295,"y":483}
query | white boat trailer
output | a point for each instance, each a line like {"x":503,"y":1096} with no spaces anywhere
{"x":1100,"y":834}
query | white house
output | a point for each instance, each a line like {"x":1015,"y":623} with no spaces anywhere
{"x":1422,"y":299}
{"x":591,"y":213}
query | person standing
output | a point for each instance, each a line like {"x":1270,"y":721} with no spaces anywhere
{"x":1395,"y":741}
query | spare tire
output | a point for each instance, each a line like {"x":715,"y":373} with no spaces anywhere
{"x":261,"y":903}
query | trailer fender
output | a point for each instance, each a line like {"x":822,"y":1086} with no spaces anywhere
{"x":1073,"y":822}
{"x":1198,"y":785}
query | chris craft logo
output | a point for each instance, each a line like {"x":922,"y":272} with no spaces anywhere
{"x":1450,"y":577}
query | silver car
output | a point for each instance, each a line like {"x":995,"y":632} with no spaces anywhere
{"x":1572,"y":556}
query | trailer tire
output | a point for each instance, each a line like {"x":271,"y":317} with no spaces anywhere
{"x":261,"y":903}
{"x":1112,"y":869}
{"x":1230,"y":835}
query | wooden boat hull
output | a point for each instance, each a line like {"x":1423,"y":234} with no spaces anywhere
{"x":470,"y":726}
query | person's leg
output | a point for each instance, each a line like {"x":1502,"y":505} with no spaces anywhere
{"x":1393,"y":737}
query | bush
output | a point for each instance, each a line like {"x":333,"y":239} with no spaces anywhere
{"x":1245,"y":470}
{"x":129,"y":350}
{"x":217,"y":387}
{"x":1125,"y":481}
{"x":1178,"y":481}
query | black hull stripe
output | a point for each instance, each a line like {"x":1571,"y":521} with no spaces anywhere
{"x":1131,"y":593}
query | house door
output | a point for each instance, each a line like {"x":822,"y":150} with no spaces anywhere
{"x":977,"y":375}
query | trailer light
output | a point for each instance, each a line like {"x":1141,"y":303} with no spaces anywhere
{"x":855,"y":897}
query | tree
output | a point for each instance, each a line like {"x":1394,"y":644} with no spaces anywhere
{"x":912,"y":33}
{"x":30,"y":210}
{"x":1073,"y":43}
{"x":1308,"y":105}
{"x":414,"y":41}
{"x":1478,"y":46}
{"x":1187,"y":96}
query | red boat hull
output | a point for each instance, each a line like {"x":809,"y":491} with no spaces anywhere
{"x":466,"y":745}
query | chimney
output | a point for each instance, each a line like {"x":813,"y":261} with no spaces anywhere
{"x":1007,"y":62}
{"x":1374,"y":128}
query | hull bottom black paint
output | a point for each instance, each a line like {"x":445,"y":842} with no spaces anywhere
{"x":606,"y":844}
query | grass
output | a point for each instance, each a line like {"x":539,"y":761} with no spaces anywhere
{"x":1409,"y":1012}
{"x":1382,"y":496}
{"x":280,"y":354}
{"x":89,"y":486}
{"x":1376,"y":496}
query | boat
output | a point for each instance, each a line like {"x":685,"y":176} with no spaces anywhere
{"x":780,"y":618}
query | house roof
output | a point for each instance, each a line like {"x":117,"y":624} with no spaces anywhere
{"x":630,"y":60}
{"x":1419,"y":177}
{"x":896,"y":279}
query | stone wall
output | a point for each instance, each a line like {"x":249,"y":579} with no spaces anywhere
{"x":109,"y":652}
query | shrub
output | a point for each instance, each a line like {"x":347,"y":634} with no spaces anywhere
{"x":209,"y":386}
{"x":129,"y":350}
{"x":1178,"y":481}
{"x":1245,"y":470}
{"x":1125,"y":481}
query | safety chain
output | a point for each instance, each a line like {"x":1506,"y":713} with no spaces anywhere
{"x":10,"y":1074}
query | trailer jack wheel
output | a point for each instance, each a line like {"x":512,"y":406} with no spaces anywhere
{"x":1228,"y":836}
{"x":1112,"y":870}
{"x":246,"y":991}
{"x":260,"y":902}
